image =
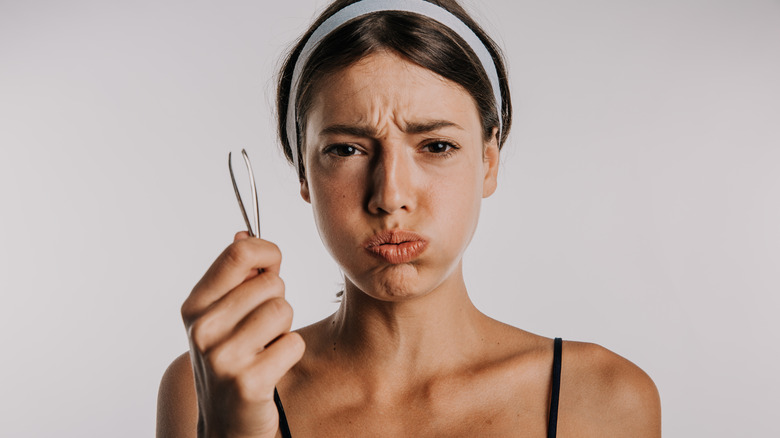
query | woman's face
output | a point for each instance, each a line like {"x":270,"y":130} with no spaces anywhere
{"x":391,"y":146}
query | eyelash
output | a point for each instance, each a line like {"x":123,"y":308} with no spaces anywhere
{"x":335,"y":147}
{"x":443,"y":155}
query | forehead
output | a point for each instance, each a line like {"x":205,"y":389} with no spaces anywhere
{"x":385,"y":86}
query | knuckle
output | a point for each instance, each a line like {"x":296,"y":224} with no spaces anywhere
{"x":191,"y":308}
{"x":275,"y":283}
{"x":247,"y":252}
{"x":186,"y":311}
{"x":238,"y":253}
{"x":274,"y":251}
{"x":268,"y":285}
{"x":198,"y":333}
{"x":221,"y":360}
{"x":297,"y":344}
{"x":280,"y":309}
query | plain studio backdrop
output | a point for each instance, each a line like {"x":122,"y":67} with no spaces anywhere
{"x":638,"y":204}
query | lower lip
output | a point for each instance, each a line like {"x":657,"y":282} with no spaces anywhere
{"x":401,"y":253}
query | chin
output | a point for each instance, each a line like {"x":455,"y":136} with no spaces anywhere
{"x":395,"y":283}
{"x":397,"y":293}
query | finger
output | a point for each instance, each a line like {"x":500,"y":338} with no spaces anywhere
{"x":258,"y":381}
{"x":222,"y":318}
{"x":228,"y":271}
{"x":266,"y":323}
{"x":241,"y":235}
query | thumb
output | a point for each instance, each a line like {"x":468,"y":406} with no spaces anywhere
{"x":241,"y":235}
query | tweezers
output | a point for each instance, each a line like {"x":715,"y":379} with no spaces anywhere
{"x":254,"y":232}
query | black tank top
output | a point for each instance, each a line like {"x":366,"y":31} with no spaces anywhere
{"x":552,"y":419}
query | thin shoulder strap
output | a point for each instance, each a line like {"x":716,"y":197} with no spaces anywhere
{"x":284,"y":428}
{"x":552,"y":425}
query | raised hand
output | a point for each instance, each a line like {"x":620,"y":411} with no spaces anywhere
{"x":238,"y":324}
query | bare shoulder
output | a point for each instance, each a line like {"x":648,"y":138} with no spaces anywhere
{"x":604,"y":394}
{"x":177,"y":402}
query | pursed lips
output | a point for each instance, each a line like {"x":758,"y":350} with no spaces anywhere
{"x":396,"y":246}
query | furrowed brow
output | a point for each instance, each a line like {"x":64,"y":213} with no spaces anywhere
{"x":429,"y":126}
{"x":370,"y":132}
{"x":353,"y":130}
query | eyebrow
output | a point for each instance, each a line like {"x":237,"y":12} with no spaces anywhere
{"x":369,"y":131}
{"x":353,"y":130}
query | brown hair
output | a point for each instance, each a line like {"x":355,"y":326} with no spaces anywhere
{"x":419,"y":39}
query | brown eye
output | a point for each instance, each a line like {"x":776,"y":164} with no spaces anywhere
{"x":441,"y":148}
{"x":342,"y":150}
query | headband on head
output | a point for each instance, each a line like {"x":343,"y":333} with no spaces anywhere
{"x":365,"y":7}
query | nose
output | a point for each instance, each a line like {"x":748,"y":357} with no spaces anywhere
{"x":392,"y":183}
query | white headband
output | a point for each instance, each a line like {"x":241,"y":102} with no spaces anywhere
{"x":364,"y":7}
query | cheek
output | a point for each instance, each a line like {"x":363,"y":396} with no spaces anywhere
{"x":457,"y":203}
{"x":466,"y":200}
{"x":336,"y":209}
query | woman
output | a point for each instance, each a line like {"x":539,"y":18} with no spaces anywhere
{"x":393,"y":113}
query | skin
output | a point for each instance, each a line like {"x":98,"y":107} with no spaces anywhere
{"x":389,"y":145}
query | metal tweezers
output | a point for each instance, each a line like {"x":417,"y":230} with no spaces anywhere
{"x":254,"y":232}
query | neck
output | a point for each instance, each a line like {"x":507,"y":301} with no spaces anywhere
{"x":411,"y":337}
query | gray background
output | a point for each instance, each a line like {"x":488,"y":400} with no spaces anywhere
{"x":638,"y":203}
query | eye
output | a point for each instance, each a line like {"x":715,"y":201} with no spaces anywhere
{"x":342,"y":150}
{"x":439,"y":147}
